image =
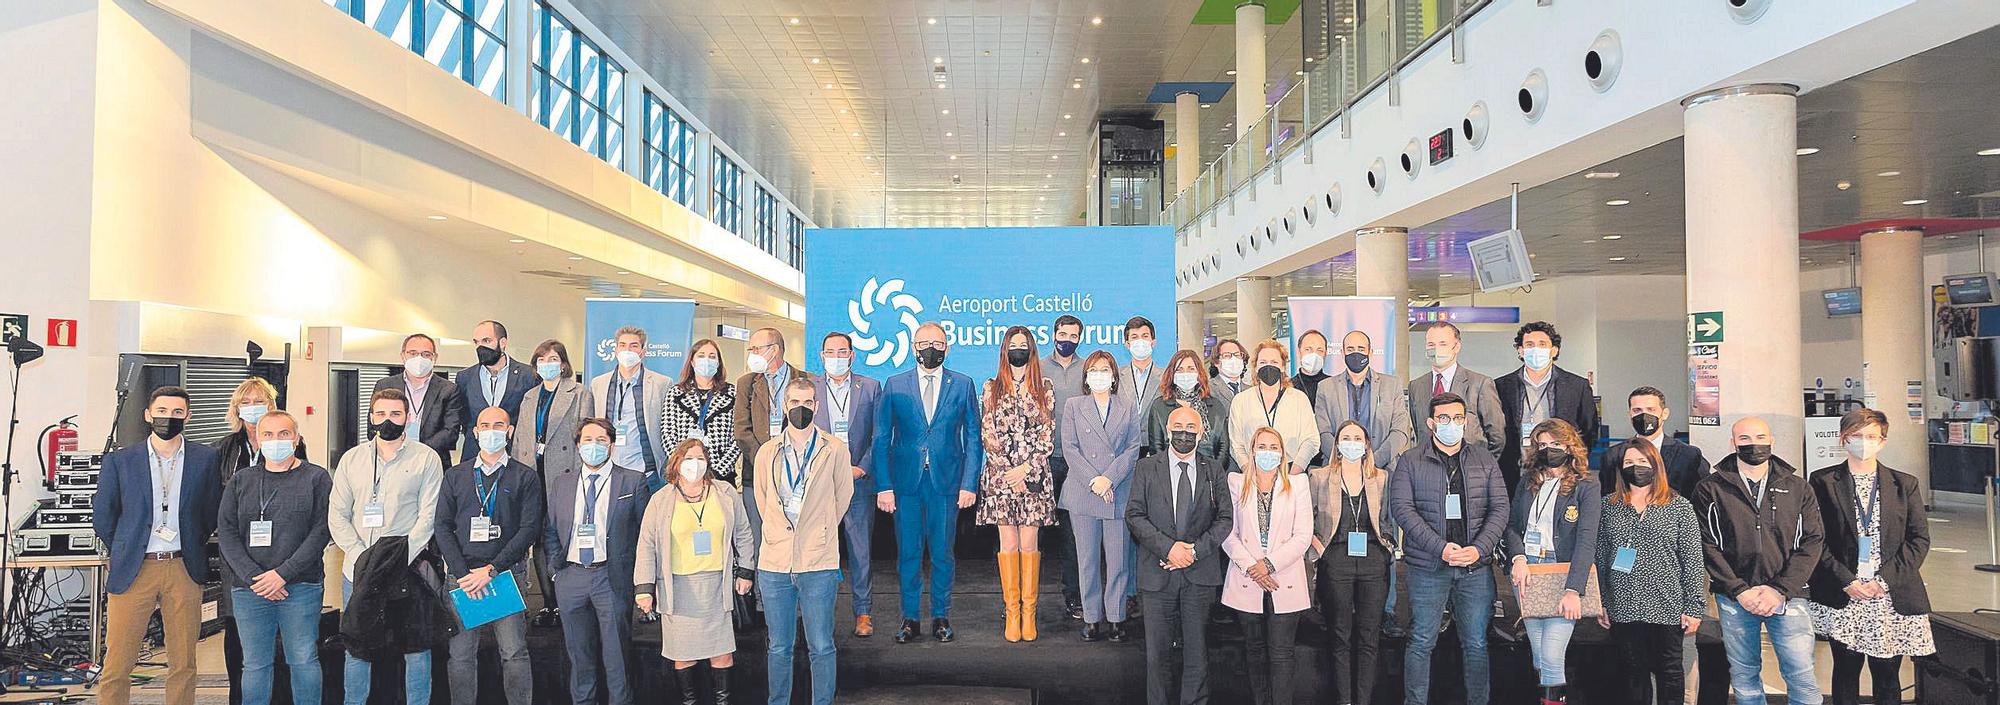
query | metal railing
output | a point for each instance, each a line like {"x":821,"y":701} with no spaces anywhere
{"x":1360,"y":62}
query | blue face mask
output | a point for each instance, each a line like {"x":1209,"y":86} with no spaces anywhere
{"x":548,"y":370}
{"x":593,"y":454}
{"x":1537,"y":358}
{"x":1450,"y":433}
{"x":252,"y":413}
{"x":1267,"y":460}
{"x":492,"y":440}
{"x":278,"y":450}
{"x":706,"y":366}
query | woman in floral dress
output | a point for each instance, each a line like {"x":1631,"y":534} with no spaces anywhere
{"x":1016,"y":491}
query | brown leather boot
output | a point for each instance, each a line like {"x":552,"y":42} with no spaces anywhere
{"x":1031,"y":583}
{"x":1010,"y":592}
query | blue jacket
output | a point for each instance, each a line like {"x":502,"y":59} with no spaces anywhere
{"x":1577,"y":515}
{"x":1417,"y":492}
{"x":902,"y":436}
{"x":122,"y":510}
{"x":627,"y":495}
{"x":520,"y":377}
{"x":864,"y":395}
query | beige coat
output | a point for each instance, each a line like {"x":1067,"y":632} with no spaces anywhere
{"x":653,"y":572}
{"x":814,"y":543}
{"x":1328,"y":504}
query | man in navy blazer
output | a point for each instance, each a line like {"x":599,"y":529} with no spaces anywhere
{"x":594,"y":587}
{"x":847,"y":403}
{"x":1541,"y":390}
{"x":498,"y":380}
{"x":154,"y":510}
{"x":927,"y":452}
{"x":1685,"y":464}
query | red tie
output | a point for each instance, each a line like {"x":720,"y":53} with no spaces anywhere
{"x":1437,"y":389}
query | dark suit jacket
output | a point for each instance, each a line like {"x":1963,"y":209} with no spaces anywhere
{"x":903,"y":436}
{"x":1574,"y":402}
{"x":1150,"y":516}
{"x":444,"y":412}
{"x":863,"y":396}
{"x":628,"y":496}
{"x":1903,"y":536}
{"x":122,"y":510}
{"x":754,"y":397}
{"x":1685,"y":465}
{"x":520,"y":377}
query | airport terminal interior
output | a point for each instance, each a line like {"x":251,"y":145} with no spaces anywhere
{"x":1768,"y":209}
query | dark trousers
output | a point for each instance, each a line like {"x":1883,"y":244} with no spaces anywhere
{"x":232,"y":656}
{"x":1058,"y":541}
{"x":1886,"y":673}
{"x":859,"y":526}
{"x":597,"y":628}
{"x":1352,"y":595}
{"x":545,"y":579}
{"x":1181,"y":608}
{"x":1267,"y":644}
{"x":1650,"y":650}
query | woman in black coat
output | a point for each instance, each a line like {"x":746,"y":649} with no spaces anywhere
{"x":1868,"y":598}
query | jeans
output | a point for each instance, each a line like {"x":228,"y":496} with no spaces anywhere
{"x":1350,"y":596}
{"x":259,"y":622}
{"x":1650,"y":651}
{"x":517,"y":676}
{"x":789,"y":597}
{"x":1550,"y":639}
{"x":1792,"y":639}
{"x":1470,"y":593}
{"x":1886,"y":673}
{"x":1102,"y":546}
{"x":354,"y":678}
{"x":859,"y":525}
{"x":1268,"y":640}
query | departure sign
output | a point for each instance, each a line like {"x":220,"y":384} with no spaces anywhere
{"x":1440,"y":147}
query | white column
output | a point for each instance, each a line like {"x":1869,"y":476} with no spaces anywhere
{"x":1189,"y":327}
{"x":1253,"y":310}
{"x":1742,"y":190}
{"x":1249,"y":65}
{"x":1893,"y":340}
{"x":634,"y":120}
{"x":704,"y":174}
{"x":1187,"y":139}
{"x":520,"y":37}
{"x":1382,"y":268}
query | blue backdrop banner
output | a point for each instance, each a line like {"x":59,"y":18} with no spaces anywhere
{"x":669,"y":325}
{"x":1334,"y":316}
{"x":878,"y":285}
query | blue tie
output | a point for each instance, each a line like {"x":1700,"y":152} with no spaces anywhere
{"x":584,"y":555}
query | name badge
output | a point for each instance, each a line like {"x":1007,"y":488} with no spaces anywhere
{"x":482,"y":529}
{"x":840,"y":429}
{"x":1357,"y":543}
{"x":697,"y":436}
{"x":777,"y":427}
{"x":626,"y":432}
{"x":541,"y":448}
{"x":704,"y":543}
{"x":1623,"y":560}
{"x":586,"y":536}
{"x":260,"y":534}
{"x":1527,"y":432}
{"x":1534,"y":542}
{"x":1453,"y":507}
{"x":1864,"y":567}
{"x":1867,"y":547}
{"x":165,"y":533}
{"x":372,"y":516}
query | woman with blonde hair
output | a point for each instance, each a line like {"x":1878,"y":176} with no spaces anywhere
{"x":1553,"y":519}
{"x":695,"y":546}
{"x":1266,"y":580}
{"x":1354,"y":547}
{"x":1273,"y":404}
{"x":235,"y":451}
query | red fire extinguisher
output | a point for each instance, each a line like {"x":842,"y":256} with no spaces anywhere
{"x":57,"y":439}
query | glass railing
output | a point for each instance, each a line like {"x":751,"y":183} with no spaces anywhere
{"x":1377,"y":37}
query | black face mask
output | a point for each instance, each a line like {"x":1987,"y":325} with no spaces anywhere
{"x":1065,"y":348}
{"x":1357,"y":362}
{"x":166,"y":427}
{"x":1638,"y":475}
{"x":1552,"y":457}
{"x":1183,"y":441}
{"x":1017,"y":356}
{"x":930,"y":358}
{"x":799,"y":417}
{"x":1754,"y":453}
{"x":1270,"y":375}
{"x":386,"y":430}
{"x":488,"y":355}
{"x":1645,"y":424}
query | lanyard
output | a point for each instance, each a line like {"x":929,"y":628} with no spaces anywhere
{"x":1355,"y":501}
{"x":268,"y":496}
{"x":1139,"y":382}
{"x":839,"y":394}
{"x":542,"y":406}
{"x":1761,"y":488}
{"x":1271,"y":411}
{"x":1540,"y":508}
{"x":700,"y":504}
{"x":416,"y":398}
{"x":1866,"y":508}
{"x":617,"y":401}
{"x":701,"y":415}
{"x":795,"y":478}
{"x":374,"y":454}
{"x":161,"y":478}
{"x":487,"y":495}
{"x":590,"y":496}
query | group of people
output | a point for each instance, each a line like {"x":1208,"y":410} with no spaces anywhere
{"x":1174,"y":488}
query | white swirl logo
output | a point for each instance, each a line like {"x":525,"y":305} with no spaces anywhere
{"x":882,"y":347}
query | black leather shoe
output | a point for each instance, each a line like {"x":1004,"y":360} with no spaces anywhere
{"x":1117,"y":632}
{"x":555,"y":618}
{"x":1132,"y":607}
{"x":1073,"y":606}
{"x":541,"y":618}
{"x":908,"y":631}
{"x":941,"y":630}
{"x":1391,"y":629}
{"x":1091,"y":631}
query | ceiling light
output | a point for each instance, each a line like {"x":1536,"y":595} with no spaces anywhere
{"x":1808,"y":151}
{"x":853,"y":134}
{"x":1416,"y":259}
{"x":795,"y":20}
{"x":1096,"y":21}
{"x":1230,"y":72}
{"x":946,"y":111}
{"x":576,"y":258}
{"x":1446,"y":275}
{"x":1309,"y":59}
{"x":1085,"y":60}
{"x":1298,"y":73}
{"x":1889,"y":173}
{"x":1062,"y":134}
{"x":1916,"y":201}
{"x":952,"y":157}
{"x":1844,"y":185}
{"x":930,"y":20}
{"x":829,"y":86}
{"x":435,"y":217}
{"x":815,"y":59}
{"x":665,"y":284}
{"x":1601,"y":175}
{"x":1053,"y":157}
{"x":516,"y":240}
{"x":1048,"y":176}
{"x":1995,"y":152}
{"x":1614,"y":237}
{"x":1347,"y":20}
{"x":947,"y":134}
{"x":1618,"y":259}
{"x":843,"y":111}
{"x":1618,"y":202}
{"x":1065,"y":116}
{"x":622,"y":272}
{"x":937,"y":59}
{"x":1207,"y":105}
{"x":1076,"y":85}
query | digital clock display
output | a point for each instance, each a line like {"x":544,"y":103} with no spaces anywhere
{"x":1440,"y":147}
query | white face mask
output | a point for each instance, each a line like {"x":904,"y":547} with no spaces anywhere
{"x":1863,"y":448}
{"x":1231,"y":367}
{"x":705,"y":367}
{"x":1099,"y":381}
{"x":756,"y":364}
{"x":1537,"y":359}
{"x":836,"y":366}
{"x":1311,"y":363}
{"x":418,"y":365}
{"x":1267,"y":460}
{"x":1142,"y":349}
{"x":693,"y":468}
{"x":1352,"y":450}
{"x":1186,"y":381}
{"x":628,"y":358}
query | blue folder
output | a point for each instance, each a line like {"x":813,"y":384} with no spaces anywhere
{"x":503,"y":599}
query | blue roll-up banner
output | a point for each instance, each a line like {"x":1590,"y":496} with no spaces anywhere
{"x":878,"y":285}
{"x":669,"y":325}
{"x":1334,"y":316}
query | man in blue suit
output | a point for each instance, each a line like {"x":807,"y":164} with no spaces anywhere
{"x":847,"y":403}
{"x":154,"y":509}
{"x":928,"y":455}
{"x":498,"y":380}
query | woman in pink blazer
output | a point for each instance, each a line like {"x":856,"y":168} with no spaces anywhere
{"x":1266,"y":584}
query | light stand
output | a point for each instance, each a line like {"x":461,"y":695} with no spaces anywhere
{"x":22,"y":351}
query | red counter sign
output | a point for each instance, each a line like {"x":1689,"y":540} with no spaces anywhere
{"x":62,"y":333}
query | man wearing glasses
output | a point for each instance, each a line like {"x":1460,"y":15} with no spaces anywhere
{"x":759,"y":417}
{"x":437,"y":407}
{"x":929,"y":456}
{"x":1450,"y":500}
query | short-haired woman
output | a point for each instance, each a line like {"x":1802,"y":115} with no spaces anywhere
{"x":1650,"y":565}
{"x":545,"y":439}
{"x":1868,"y":597}
{"x":1276,"y":405}
{"x":1554,"y":519}
{"x":692,"y":545}
{"x":1016,"y":490}
{"x":1100,"y":441}
{"x":701,"y":406}
{"x":1266,"y":580}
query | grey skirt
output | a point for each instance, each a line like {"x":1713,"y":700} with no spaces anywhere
{"x":700,"y":627}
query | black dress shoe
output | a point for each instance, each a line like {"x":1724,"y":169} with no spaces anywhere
{"x":941,"y":630}
{"x":1091,"y":631}
{"x":1393,"y":630}
{"x":1132,"y":607}
{"x":541,"y":618}
{"x":1117,"y":632}
{"x":555,"y":618}
{"x":1073,"y":607}
{"x":908,"y":631}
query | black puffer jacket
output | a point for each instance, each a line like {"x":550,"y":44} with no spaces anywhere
{"x":396,"y":608}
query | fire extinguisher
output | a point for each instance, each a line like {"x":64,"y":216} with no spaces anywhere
{"x":58,"y":438}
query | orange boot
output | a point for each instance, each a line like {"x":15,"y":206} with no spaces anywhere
{"x":1031,"y":583}
{"x":1010,"y":592}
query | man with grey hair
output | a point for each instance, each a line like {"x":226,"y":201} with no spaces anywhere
{"x":929,"y":455}
{"x":759,"y":416}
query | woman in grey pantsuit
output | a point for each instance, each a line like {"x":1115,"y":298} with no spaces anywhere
{"x":1100,"y":440}
{"x":690,"y":545}
{"x":545,"y":438}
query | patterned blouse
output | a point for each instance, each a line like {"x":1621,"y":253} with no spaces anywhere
{"x":1668,"y":579}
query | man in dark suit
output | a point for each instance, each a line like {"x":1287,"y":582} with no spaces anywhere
{"x":1179,"y":515}
{"x":498,"y":380}
{"x":154,"y":510}
{"x":1365,"y":396}
{"x":1484,"y":418}
{"x":591,"y":541}
{"x":1685,"y":463}
{"x":847,"y":404}
{"x":928,"y":456}
{"x":437,"y":409}
{"x":1540,"y":390}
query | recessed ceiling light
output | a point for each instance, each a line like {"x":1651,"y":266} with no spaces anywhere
{"x":947,"y":134}
{"x":1889,"y":173}
{"x":937,"y":59}
{"x":1298,"y":73}
{"x":1048,"y":176}
{"x":829,"y":86}
{"x":1207,"y":105}
{"x":1614,"y":237}
{"x":867,"y":157}
{"x":1844,"y":185}
{"x":1309,"y":59}
{"x":1084,"y":60}
{"x":946,"y":111}
{"x":1446,"y":275}
{"x":930,"y":20}
{"x":516,"y":240}
{"x":622,"y":272}
{"x":1808,"y":151}
{"x":842,"y":111}
{"x":575,"y":258}
{"x":665,"y":284}
{"x":1995,"y":152}
{"x":1618,"y":202}
{"x":1230,"y":72}
{"x":795,"y":20}
{"x":853,"y":134}
{"x":815,"y":59}
{"x":435,"y":217}
{"x":952,"y":157}
{"x":1601,"y":175}
{"x":1062,"y":134}
{"x":1916,"y":201}
{"x":1618,"y":259}
{"x":1053,"y":157}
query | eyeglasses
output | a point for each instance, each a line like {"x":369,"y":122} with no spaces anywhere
{"x":761,"y":348}
{"x":930,"y":345}
{"x":1449,"y":418}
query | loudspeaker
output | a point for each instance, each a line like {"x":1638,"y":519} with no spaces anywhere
{"x":1967,"y":660}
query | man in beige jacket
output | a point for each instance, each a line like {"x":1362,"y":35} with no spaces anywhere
{"x":802,"y":489}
